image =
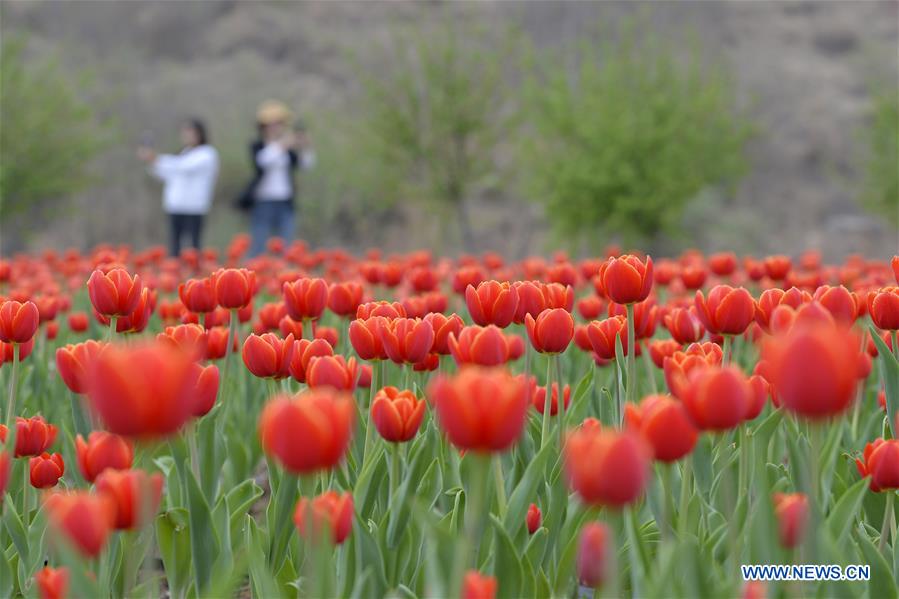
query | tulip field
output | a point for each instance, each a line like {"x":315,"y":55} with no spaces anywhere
{"x":310,"y":423}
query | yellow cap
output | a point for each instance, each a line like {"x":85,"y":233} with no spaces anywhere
{"x":273,"y":111}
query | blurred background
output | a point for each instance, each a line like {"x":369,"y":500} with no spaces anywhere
{"x":518,"y":127}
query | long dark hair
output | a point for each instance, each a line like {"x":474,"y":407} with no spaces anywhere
{"x":200,"y":128}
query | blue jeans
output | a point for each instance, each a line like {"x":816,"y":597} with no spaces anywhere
{"x":270,"y":219}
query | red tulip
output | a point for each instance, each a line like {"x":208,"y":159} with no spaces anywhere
{"x":480,"y":409}
{"x":476,"y":586}
{"x":234,"y":287}
{"x":532,"y":519}
{"x":492,"y":303}
{"x":484,"y":346}
{"x":365,"y":337}
{"x":606,"y":467}
{"x":727,"y":311}
{"x":330,"y":511}
{"x":593,"y":554}
{"x":778,"y":266}
{"x":883,"y":307}
{"x":665,"y":424}
{"x":552,"y":331}
{"x":5,"y":467}
{"x":661,"y":349}
{"x":115,"y":293}
{"x":590,"y":307}
{"x":135,"y":494}
{"x":407,"y":340}
{"x":828,"y":351}
{"x":717,"y":398}
{"x":217,"y":343}
{"x":531,"y":300}
{"x":206,"y":389}
{"x":444,"y":326}
{"x":880,"y":461}
{"x":894,"y":263}
{"x":381,"y":308}
{"x":684,"y":326}
{"x":396,"y":414}
{"x":101,"y":451}
{"x":84,"y":519}
{"x":332,"y":371}
{"x":538,"y":398}
{"x":602,"y":334}
{"x":626,"y":280}
{"x":723,"y":264}
{"x":18,"y":321}
{"x":305,"y":299}
{"x":143,"y":390}
{"x":839,"y":301}
{"x":45,"y":470}
{"x":470,"y":275}
{"x":268,"y":356}
{"x":308,"y":432}
{"x":792,"y":517}
{"x":304,"y":350}
{"x":78,"y":322}
{"x":198,"y":295}
{"x":191,"y":338}
{"x":33,"y":436}
{"x":74,"y":363}
{"x":344,"y":298}
{"x":329,"y":334}
{"x":693,"y":276}
{"x":52,"y":583}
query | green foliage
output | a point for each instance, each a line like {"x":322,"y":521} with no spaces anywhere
{"x":624,"y":140}
{"x":430,"y":124}
{"x":880,"y":193}
{"x":50,"y":134}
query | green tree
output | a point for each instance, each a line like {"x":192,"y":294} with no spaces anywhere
{"x":620,"y":143}
{"x":431,"y":121}
{"x":49,"y":135}
{"x":880,"y":191}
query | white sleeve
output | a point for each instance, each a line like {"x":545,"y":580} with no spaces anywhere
{"x":168,"y":165}
{"x":272,"y":155}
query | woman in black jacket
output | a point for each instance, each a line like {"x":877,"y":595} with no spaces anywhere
{"x":276,"y":155}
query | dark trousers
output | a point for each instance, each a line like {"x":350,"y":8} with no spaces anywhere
{"x":190,"y":224}
{"x":271,"y":218}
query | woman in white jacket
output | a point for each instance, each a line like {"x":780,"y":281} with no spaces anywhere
{"x":189,"y":182}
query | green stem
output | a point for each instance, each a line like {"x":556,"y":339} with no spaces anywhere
{"x":547,"y":404}
{"x":631,"y":356}
{"x":394,"y":473}
{"x":726,"y":349}
{"x":887,"y":518}
{"x":11,"y":399}
{"x":665,"y":526}
{"x":475,"y":514}
{"x":561,"y":400}
{"x":686,"y":487}
{"x":500,"y":485}
{"x":376,"y":374}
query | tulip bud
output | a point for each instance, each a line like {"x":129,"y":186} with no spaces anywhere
{"x":18,"y":321}
{"x":593,"y":554}
{"x":45,"y":470}
{"x":665,"y":424}
{"x":606,"y":467}
{"x":880,"y":461}
{"x":52,"y":583}
{"x":480,"y":409}
{"x":305,"y":299}
{"x":198,"y":295}
{"x":329,"y":511}
{"x":626,"y":280}
{"x":551,"y":331}
{"x":135,"y":494}
{"x":74,"y":363}
{"x":792,"y":517}
{"x":234,"y":287}
{"x":727,"y":311}
{"x":101,"y":451}
{"x":476,"y":586}
{"x":308,"y":432}
{"x":532,"y":519}
{"x":396,"y":414}
{"x":492,"y":303}
{"x":84,"y":519}
{"x":883,"y":307}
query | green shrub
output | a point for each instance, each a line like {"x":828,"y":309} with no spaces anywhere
{"x":620,"y":144}
{"x":880,"y":191}
{"x":49,"y":135}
